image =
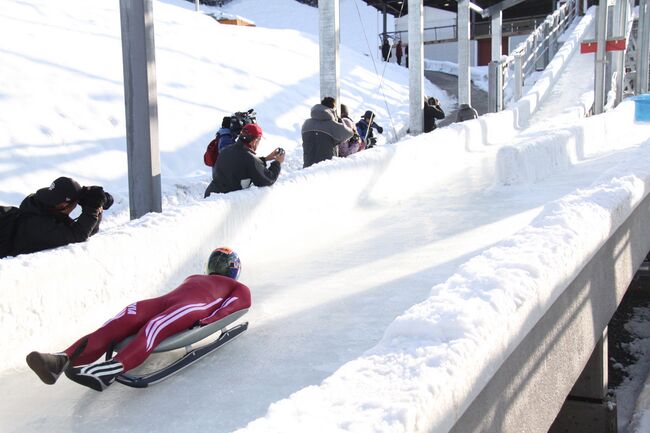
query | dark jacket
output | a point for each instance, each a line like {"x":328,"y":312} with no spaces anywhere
{"x":365,"y":133}
{"x":321,"y":134}
{"x":466,"y":113}
{"x":39,"y":228}
{"x":238,"y":167}
{"x":431,"y":113}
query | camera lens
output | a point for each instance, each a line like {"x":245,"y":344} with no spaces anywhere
{"x":109,"y":201}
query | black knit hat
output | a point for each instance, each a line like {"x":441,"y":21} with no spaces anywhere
{"x":368,"y":114}
{"x":61,"y":190}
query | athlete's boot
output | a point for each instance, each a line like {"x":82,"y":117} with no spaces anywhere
{"x":48,"y":366}
{"x":96,"y":376}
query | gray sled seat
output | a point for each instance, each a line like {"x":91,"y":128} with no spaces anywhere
{"x":190,"y":336}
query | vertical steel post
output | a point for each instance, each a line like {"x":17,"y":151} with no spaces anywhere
{"x":497,"y":35}
{"x":618,"y":58}
{"x":197,"y":5}
{"x":416,"y":66}
{"x":519,"y":76}
{"x":555,"y":34}
{"x":599,"y":68}
{"x":643,"y":47}
{"x":547,"y":41}
{"x":330,"y":66}
{"x":609,"y":55}
{"x":464,"y":78}
{"x":495,"y":86}
{"x":385,"y":24}
{"x":141,"y":106}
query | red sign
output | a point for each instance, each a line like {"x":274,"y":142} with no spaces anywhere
{"x":618,"y":44}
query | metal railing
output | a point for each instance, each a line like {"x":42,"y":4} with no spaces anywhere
{"x":479,"y":30}
{"x":508,"y":75}
{"x":510,"y":27}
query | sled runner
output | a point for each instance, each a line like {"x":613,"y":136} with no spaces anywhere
{"x":185,"y":340}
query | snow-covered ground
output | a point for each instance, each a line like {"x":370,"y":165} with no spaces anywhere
{"x":347,"y":333}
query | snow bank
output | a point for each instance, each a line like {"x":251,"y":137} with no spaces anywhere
{"x":562,"y":148}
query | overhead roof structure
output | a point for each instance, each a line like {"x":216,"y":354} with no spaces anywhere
{"x":511,"y":8}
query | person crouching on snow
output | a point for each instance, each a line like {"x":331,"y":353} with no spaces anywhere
{"x":238,"y":167}
{"x":200,"y":298}
{"x":44,"y":217}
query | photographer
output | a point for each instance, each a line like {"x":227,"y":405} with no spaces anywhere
{"x":432,"y":111}
{"x":238,"y":167}
{"x":322,"y":133}
{"x":365,"y":127}
{"x":44,"y":221}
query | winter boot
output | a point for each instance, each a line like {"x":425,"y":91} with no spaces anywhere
{"x":48,"y":366}
{"x":96,"y":376}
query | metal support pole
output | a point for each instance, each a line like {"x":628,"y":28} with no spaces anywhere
{"x":141,"y":107}
{"x":553,"y":36}
{"x":330,"y":65}
{"x":497,"y":35}
{"x":643,"y":47}
{"x":197,"y":5}
{"x":599,"y":68}
{"x":609,"y":55}
{"x":547,"y":42}
{"x":416,"y":66}
{"x":618,"y":58}
{"x":464,"y":79}
{"x":385,"y":24}
{"x":519,"y":76}
{"x":540,"y":59}
{"x":495,"y":86}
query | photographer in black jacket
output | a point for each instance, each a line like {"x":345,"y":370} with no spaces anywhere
{"x":238,"y":167}
{"x":432,"y":111}
{"x":44,"y":221}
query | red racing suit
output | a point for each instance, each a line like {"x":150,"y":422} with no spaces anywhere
{"x":200,"y":298}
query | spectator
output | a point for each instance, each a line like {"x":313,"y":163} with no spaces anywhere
{"x":238,"y":167}
{"x":385,"y":50}
{"x":44,"y":217}
{"x":365,"y":128}
{"x":200,"y":299}
{"x":322,"y":133}
{"x":354,"y":144}
{"x":398,"y":52}
{"x":466,"y":113}
{"x":432,"y":111}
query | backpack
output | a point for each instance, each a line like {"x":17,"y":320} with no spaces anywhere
{"x":9,"y":216}
{"x":212,"y":152}
{"x":225,"y":138}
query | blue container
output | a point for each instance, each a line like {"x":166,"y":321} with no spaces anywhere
{"x":642,"y":108}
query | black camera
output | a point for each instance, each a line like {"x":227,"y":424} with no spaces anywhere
{"x":109,"y":201}
{"x":279,"y":151}
{"x":94,"y":196}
